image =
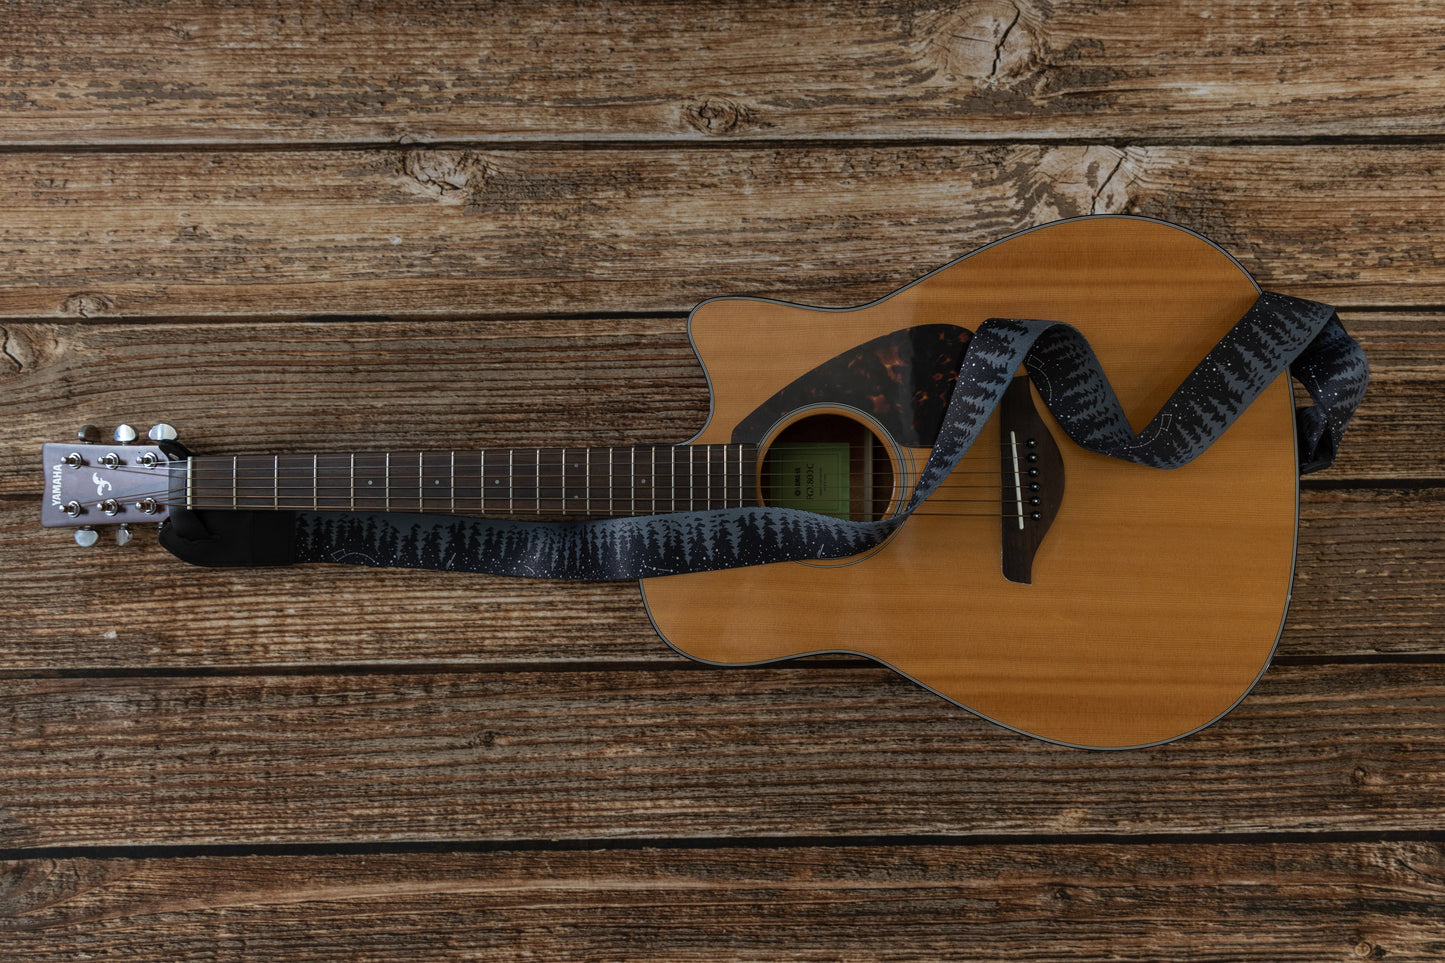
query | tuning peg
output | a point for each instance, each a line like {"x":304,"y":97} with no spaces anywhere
{"x":122,"y":535}
{"x":124,"y":434}
{"x":86,"y":537}
{"x":161,"y":432}
{"x":88,"y":433}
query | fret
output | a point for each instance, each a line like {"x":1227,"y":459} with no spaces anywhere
{"x":400,"y":495}
{"x":366,"y":468}
{"x":481,"y":483}
{"x":578,"y":499}
{"x":462,"y":483}
{"x":551,"y":475}
{"x":741,"y":499}
{"x":250,"y":482}
{"x":331,"y":482}
{"x":452,"y":474}
{"x":386,"y":482}
{"x":351,"y":483}
{"x":633,"y":486}
{"x":436,"y":483}
{"x":670,"y":464}
{"x":492,"y":479}
{"x":740,"y":473}
{"x":710,"y":456}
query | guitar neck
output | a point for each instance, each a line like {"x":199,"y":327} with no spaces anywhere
{"x":510,"y":482}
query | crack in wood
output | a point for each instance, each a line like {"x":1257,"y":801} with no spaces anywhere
{"x":1003,"y":39}
{"x":1103,"y":185}
{"x":5,"y":340}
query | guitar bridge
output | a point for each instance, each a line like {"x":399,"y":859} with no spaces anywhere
{"x":1031,"y":472}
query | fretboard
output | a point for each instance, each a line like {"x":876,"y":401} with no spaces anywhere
{"x":531,"y":482}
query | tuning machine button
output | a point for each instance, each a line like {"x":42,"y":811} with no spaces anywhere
{"x":123,"y":535}
{"x":124,"y":434}
{"x":88,"y":433}
{"x":161,"y":432}
{"x":86,"y":537}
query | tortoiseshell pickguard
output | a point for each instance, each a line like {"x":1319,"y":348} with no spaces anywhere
{"x":903,"y":380}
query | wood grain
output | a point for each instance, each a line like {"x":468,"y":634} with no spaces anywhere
{"x":357,"y":384}
{"x":275,"y":73}
{"x":806,"y":751}
{"x":409,"y":232}
{"x":1242,"y":902}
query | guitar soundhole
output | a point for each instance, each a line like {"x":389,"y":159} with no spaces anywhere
{"x":831,"y":464}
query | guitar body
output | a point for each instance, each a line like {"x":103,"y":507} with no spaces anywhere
{"x":1156,"y":597}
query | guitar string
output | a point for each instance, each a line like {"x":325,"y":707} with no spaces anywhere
{"x":292,"y":495}
{"x":262,"y":503}
{"x":305,"y":479}
{"x":302,"y":477}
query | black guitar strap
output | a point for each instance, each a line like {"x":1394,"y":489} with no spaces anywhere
{"x":1277,"y":332}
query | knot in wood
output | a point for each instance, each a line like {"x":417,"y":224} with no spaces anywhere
{"x":447,"y":174}
{"x":87,"y":304}
{"x":718,"y":115}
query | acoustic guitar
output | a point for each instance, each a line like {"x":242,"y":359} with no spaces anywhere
{"x":1066,"y":595}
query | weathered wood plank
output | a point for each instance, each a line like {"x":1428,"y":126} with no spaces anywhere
{"x":355,"y":385}
{"x":678,"y":754}
{"x":1366,"y":582}
{"x":1399,"y":430}
{"x":411,"y":232}
{"x":117,"y":72}
{"x":1265,"y":902}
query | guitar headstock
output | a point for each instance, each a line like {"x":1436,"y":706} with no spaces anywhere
{"x":118,"y":483}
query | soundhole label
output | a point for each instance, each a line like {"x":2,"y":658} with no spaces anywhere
{"x":831,"y":464}
{"x":810,"y":475}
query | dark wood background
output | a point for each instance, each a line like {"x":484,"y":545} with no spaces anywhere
{"x":296,"y":227}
